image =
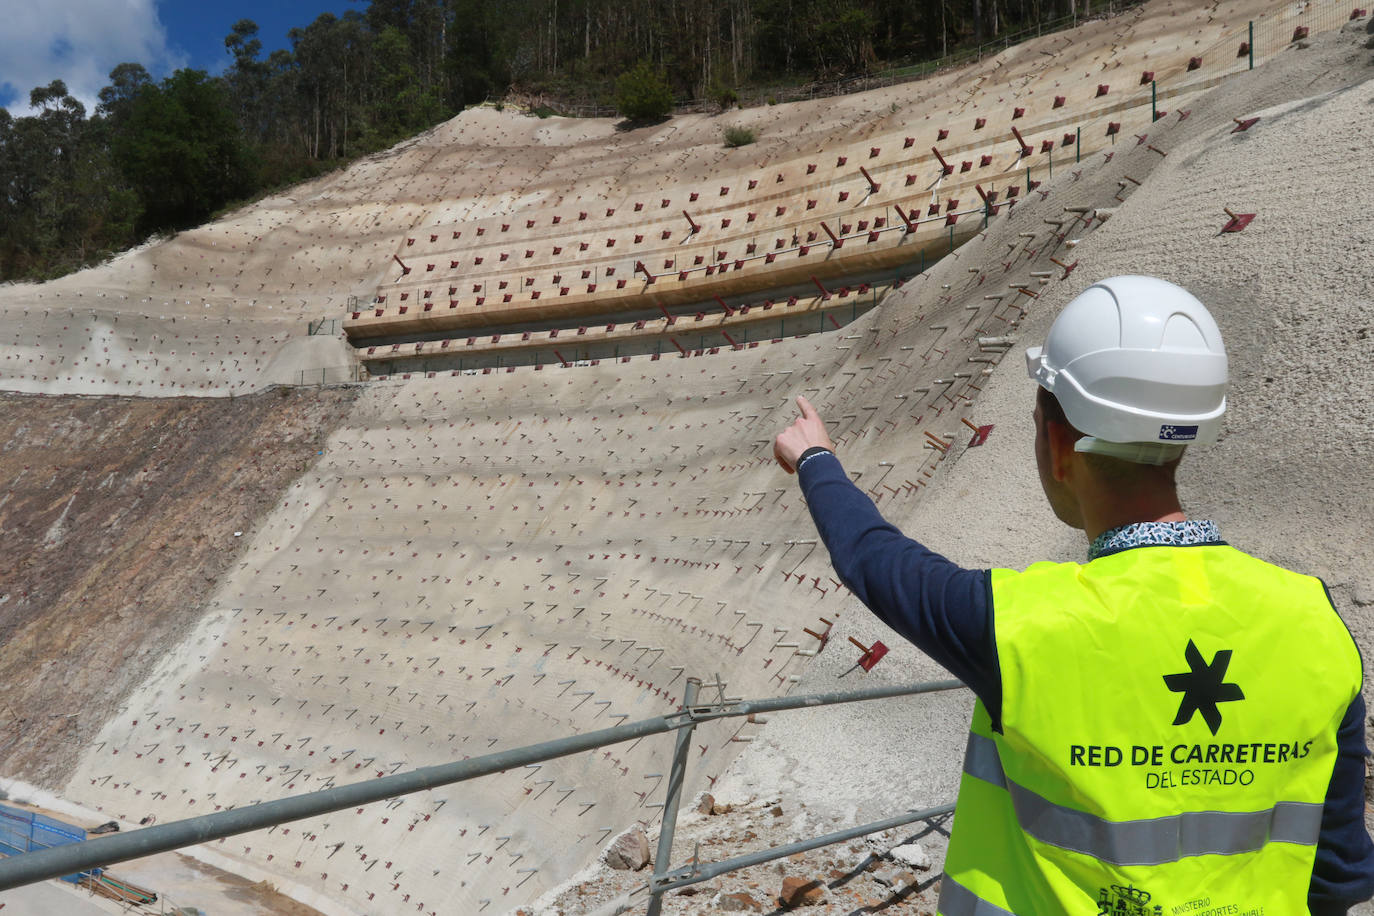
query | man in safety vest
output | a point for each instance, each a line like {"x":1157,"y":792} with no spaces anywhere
{"x":1172,"y":728}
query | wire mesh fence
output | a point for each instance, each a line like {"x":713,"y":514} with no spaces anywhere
{"x":1271,"y":34}
{"x":23,"y":831}
{"x":332,"y":375}
{"x":1295,"y":22}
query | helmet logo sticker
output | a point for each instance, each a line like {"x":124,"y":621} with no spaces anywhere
{"x":1177,"y":433}
{"x":1203,"y":687}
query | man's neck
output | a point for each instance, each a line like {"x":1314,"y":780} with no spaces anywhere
{"x":1106,"y":507}
{"x":1095,"y":530}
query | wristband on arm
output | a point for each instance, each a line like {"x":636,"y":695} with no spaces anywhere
{"x":810,"y":453}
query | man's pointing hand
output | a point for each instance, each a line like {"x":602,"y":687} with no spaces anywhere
{"x":806,"y":431}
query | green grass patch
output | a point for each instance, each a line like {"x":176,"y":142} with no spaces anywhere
{"x":739,"y":136}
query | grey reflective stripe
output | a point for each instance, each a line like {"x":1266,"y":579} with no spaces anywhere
{"x":957,"y":900}
{"x":1150,"y":841}
{"x":982,"y":760}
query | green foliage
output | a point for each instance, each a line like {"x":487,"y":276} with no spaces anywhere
{"x":126,"y":80}
{"x":642,"y":94}
{"x":157,"y":156}
{"x":413,"y":106}
{"x":63,"y":203}
{"x":724,"y":96}
{"x":739,"y":136}
{"x":181,"y":150}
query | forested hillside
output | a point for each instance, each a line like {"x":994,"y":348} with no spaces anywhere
{"x":157,"y":156}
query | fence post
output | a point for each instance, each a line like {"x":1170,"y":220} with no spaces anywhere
{"x":1252,"y":44}
{"x":670,"y":804}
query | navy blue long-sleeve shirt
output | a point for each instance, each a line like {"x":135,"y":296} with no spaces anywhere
{"x":947,"y":611}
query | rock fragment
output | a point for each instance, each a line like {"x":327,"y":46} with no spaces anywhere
{"x":629,"y":851}
{"x":800,"y":892}
{"x":911,"y":855}
{"x":738,"y":903}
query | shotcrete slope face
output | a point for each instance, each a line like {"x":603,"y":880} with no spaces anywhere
{"x":477,"y":563}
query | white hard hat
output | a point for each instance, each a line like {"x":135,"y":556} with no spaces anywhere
{"x":1135,"y":360}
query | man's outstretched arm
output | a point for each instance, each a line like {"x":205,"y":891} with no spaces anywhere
{"x":942,"y":608}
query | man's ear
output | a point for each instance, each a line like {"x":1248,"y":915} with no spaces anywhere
{"x":1061,"y":438}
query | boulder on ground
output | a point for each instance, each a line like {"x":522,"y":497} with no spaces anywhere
{"x":912,"y":855}
{"x":629,"y":851}
{"x":738,"y":903}
{"x":799,"y":892}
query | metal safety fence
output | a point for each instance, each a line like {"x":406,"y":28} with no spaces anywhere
{"x":23,"y":831}
{"x":41,"y":864}
{"x":1296,"y":22}
{"x":1263,"y":37}
{"x":331,"y":375}
{"x":329,"y":327}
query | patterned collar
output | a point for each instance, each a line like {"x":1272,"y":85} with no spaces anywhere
{"x":1188,"y":533}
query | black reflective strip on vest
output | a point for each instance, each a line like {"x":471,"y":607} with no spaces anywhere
{"x":1151,"y":841}
{"x":957,"y":900}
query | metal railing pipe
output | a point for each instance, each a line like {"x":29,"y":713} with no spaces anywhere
{"x":695,"y":873}
{"x":77,"y":857}
{"x":809,"y":701}
{"x":107,"y":850}
{"x":674,"y":798}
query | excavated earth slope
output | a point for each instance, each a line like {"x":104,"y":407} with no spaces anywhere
{"x":119,"y":514}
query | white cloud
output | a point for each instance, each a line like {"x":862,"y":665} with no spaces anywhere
{"x":78,"y":42}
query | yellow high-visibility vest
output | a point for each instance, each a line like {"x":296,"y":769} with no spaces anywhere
{"x":1168,"y":733}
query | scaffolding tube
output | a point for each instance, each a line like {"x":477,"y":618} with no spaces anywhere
{"x":42,"y":864}
{"x":696,"y":872}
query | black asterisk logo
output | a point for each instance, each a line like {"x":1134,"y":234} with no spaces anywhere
{"x":1203,"y":687}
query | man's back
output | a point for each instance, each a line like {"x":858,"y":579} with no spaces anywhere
{"x":1168,"y":723}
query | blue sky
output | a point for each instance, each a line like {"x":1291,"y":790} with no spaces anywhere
{"x":81,"y":41}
